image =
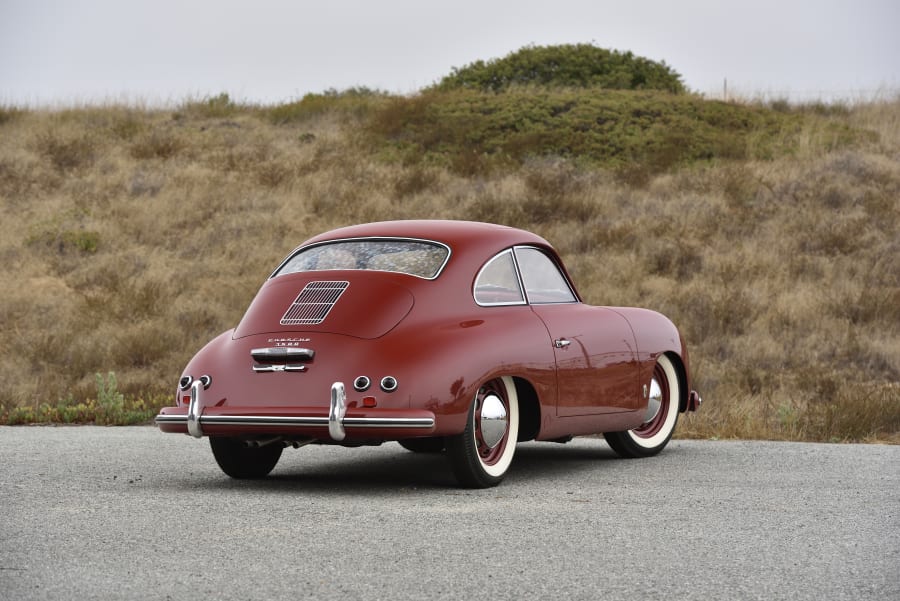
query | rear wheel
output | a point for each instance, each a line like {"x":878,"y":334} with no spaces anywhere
{"x":423,"y":445}
{"x":482,"y":454}
{"x":240,"y":461}
{"x":659,"y":420}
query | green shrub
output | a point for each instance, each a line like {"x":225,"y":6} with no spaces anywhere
{"x":63,"y":241}
{"x":131,"y":411}
{"x":108,"y":395}
{"x":567,"y":66}
{"x":353,"y":102}
{"x":472,"y":132}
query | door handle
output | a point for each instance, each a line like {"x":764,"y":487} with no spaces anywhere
{"x":561,"y":343}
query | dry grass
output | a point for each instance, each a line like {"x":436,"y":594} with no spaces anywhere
{"x":130,"y":237}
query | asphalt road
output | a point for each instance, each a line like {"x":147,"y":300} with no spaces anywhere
{"x":131,"y":513}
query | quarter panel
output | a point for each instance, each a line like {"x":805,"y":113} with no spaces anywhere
{"x":445,"y":361}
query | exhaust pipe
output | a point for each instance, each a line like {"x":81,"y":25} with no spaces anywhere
{"x":256,"y":444}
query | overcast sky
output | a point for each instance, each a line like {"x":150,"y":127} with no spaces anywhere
{"x":269,"y":51}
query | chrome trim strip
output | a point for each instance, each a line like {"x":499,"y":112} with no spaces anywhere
{"x":389,"y":422}
{"x":170,"y":419}
{"x":282,"y":352}
{"x":337,"y":411}
{"x":302,"y":422}
{"x":279,"y":367}
{"x":194,"y":409}
{"x":265,"y":420}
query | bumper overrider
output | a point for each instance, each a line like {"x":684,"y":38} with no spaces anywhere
{"x":317,"y":422}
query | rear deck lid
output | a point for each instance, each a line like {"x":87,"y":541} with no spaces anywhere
{"x":353,"y":303}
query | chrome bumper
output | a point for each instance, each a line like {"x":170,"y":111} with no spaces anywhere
{"x":694,"y":401}
{"x":337,"y":422}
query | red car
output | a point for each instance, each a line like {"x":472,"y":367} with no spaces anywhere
{"x":445,"y":336}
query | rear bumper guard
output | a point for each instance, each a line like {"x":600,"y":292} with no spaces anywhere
{"x":694,"y":401}
{"x":196,"y":422}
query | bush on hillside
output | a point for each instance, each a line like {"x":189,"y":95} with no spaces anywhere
{"x":567,"y":66}
{"x":352,"y":102}
{"x":472,"y":131}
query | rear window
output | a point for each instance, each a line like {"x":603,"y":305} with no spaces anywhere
{"x":418,"y":258}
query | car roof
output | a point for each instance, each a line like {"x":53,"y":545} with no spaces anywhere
{"x":470,"y":235}
{"x":471,"y":244}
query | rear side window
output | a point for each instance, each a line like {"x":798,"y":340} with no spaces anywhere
{"x":419,"y":258}
{"x":498,"y":282}
{"x":519,"y":274}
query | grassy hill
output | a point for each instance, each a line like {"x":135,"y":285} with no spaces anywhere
{"x":770,"y":234}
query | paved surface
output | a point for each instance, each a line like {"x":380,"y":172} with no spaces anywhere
{"x":107,"y":513}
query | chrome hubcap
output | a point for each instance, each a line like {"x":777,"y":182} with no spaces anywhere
{"x":654,"y":402}
{"x":494,"y":420}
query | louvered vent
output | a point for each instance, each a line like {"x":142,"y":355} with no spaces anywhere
{"x":313,"y":303}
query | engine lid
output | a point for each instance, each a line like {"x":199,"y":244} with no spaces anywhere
{"x":363,"y":305}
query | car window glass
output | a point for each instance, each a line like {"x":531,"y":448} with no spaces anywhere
{"x":497,"y":283}
{"x":414,"y":257}
{"x":543,"y":281}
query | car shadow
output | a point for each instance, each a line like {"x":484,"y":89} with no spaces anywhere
{"x":361,"y":472}
{"x":394,"y":469}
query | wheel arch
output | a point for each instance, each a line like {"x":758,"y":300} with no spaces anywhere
{"x":529,"y":409}
{"x":681,"y":371}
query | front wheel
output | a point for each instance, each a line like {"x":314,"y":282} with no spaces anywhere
{"x":482,"y":454}
{"x":659,"y":420}
{"x":240,"y":461}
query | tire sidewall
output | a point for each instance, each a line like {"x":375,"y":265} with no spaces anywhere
{"x":462,"y":450}
{"x":658,"y":440}
{"x":499,"y":467}
{"x":241,"y":462}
